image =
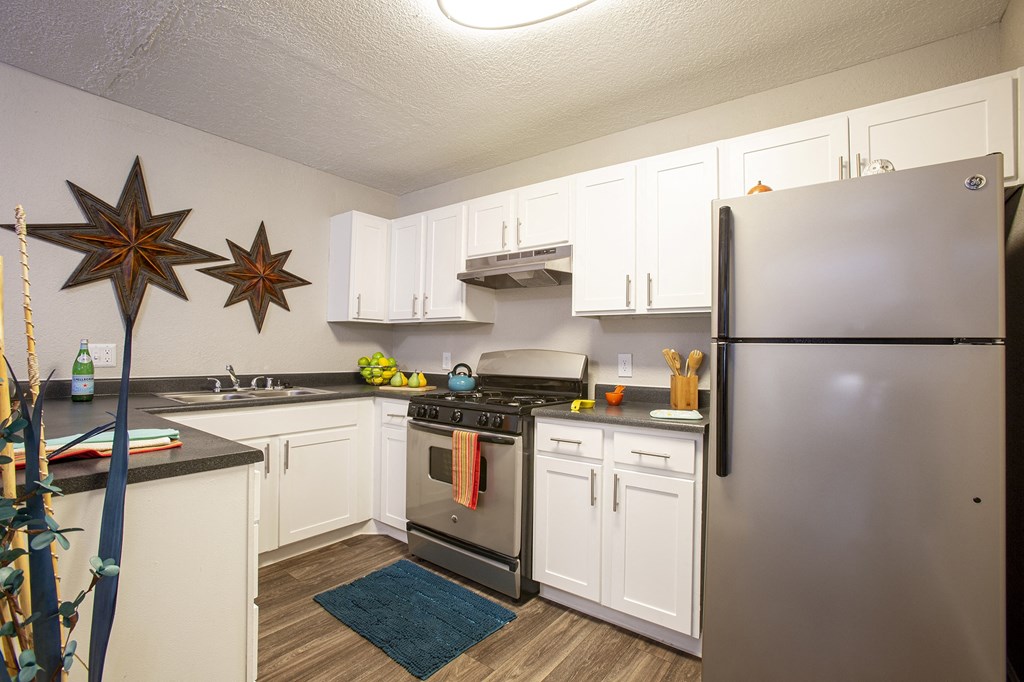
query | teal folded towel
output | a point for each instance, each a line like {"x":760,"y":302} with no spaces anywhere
{"x":108,"y":437}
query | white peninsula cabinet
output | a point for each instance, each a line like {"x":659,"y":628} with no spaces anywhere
{"x":356,"y":273}
{"x":317,"y":470}
{"x":529,"y":217}
{"x":643,"y":235}
{"x":957,"y":122}
{"x":426,"y":257}
{"x":617,"y":518}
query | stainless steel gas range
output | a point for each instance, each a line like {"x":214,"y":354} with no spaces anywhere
{"x":491,"y":544}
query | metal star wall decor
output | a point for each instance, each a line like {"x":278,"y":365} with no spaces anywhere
{"x":257,"y":276}
{"x":125,"y":243}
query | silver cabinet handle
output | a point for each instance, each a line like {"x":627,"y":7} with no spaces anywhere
{"x":567,"y":440}
{"x":359,"y":304}
{"x":415,"y":298}
{"x":840,"y":166}
{"x":425,"y":297}
{"x":519,"y":236}
{"x":629,"y":282}
{"x":615,"y":493}
{"x":593,"y":488}
{"x":266,"y":460}
{"x":650,"y":286}
{"x":504,"y":229}
{"x":643,"y":453}
{"x":287,"y":452}
{"x":858,"y":166}
{"x":398,"y":416}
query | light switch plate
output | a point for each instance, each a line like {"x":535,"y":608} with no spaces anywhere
{"x":103,"y":354}
{"x":446,"y":360}
{"x":625,"y":364}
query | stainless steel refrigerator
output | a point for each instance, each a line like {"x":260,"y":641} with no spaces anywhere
{"x":855,"y":525}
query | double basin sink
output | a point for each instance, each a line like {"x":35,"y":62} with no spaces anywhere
{"x":197,"y":397}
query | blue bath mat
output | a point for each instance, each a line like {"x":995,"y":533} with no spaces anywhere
{"x":419,"y":619}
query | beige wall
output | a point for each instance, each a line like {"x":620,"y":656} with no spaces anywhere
{"x":542,"y":318}
{"x":50,"y":133}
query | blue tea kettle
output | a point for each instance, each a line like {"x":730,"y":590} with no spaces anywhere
{"x":463,"y":381}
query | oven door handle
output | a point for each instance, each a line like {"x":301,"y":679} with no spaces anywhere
{"x":441,"y":428}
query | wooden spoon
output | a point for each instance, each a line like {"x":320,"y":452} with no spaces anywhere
{"x":693,"y":361}
{"x":677,"y":362}
{"x":668,"y":359}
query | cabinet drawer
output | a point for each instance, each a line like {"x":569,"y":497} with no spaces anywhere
{"x":566,"y":439}
{"x":655,"y":452}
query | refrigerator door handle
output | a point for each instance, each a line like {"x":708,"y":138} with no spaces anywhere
{"x":721,"y":410}
{"x":724,"y":267}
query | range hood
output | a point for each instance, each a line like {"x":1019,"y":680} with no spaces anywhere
{"x":546,"y":267}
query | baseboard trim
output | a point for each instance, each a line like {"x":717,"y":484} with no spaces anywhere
{"x":371,"y":527}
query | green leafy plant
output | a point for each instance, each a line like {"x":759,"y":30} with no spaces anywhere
{"x":33,"y":647}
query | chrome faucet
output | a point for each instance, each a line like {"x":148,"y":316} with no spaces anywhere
{"x":234,"y":380}
{"x":216,"y":384}
{"x":255,"y":381}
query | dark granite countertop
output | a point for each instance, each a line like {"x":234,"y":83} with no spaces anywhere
{"x":200,"y":451}
{"x":627,"y":414}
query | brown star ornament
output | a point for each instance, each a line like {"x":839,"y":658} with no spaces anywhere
{"x":126,"y":243}
{"x":257,"y":276}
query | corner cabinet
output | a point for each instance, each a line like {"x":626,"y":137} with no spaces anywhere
{"x":529,"y":217}
{"x":426,"y":257}
{"x":389,"y":507}
{"x":356,"y":277}
{"x":643,"y":236}
{"x":317,"y":468}
{"x":617,"y":525}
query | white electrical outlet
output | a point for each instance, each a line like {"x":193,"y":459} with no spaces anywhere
{"x":625,"y":364}
{"x":446,"y":360}
{"x":103,"y":354}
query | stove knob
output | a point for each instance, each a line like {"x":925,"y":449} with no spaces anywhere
{"x":456,"y":416}
{"x":421,"y":411}
{"x":482,"y":420}
{"x":433,"y":412}
{"x":496,"y":421}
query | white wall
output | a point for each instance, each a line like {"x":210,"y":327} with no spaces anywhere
{"x":50,"y":133}
{"x":542,"y":317}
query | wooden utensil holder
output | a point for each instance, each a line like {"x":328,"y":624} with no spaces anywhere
{"x":683,"y":392}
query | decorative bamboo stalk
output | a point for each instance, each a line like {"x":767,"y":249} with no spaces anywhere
{"x":7,"y":470}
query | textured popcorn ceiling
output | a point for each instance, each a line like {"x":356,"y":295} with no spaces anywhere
{"x":391,"y":94}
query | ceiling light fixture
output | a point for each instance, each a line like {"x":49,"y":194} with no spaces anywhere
{"x":498,"y":14}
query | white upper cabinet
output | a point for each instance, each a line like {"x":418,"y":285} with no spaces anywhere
{"x":604,"y":253}
{"x":674,"y":232}
{"x":792,"y":156}
{"x":542,"y":215}
{"x":529,"y":217}
{"x":426,"y":256}
{"x":958,"y":122}
{"x":356,"y":274}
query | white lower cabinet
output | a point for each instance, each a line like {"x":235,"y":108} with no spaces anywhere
{"x":390,"y":506}
{"x":617,"y":518}
{"x":317,"y":465}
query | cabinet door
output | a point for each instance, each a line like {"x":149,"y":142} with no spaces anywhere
{"x":406,"y":290}
{"x":959,"y":122}
{"x":392,"y":476}
{"x":649,"y":533}
{"x":267,"y":518}
{"x":792,"y":156}
{"x":487,"y":223}
{"x":675,"y":229}
{"x":319,"y":476}
{"x":369,"y":267}
{"x":567,"y":526}
{"x":542,"y":214}
{"x":604,"y":265}
{"x":444,"y":294}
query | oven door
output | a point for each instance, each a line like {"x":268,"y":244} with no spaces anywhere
{"x":496,"y":523}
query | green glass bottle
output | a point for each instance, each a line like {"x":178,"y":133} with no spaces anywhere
{"x":82,"y":375}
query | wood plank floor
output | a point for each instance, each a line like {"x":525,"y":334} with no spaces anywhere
{"x":299,"y":640}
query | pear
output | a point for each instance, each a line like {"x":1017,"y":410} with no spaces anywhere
{"x":414,"y":380}
{"x":405,"y":379}
{"x":423,"y":380}
{"x":396,"y":380}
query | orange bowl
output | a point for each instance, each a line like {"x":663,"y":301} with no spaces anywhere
{"x":613,"y":398}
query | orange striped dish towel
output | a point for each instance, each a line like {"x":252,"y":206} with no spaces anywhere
{"x":465,"y":468}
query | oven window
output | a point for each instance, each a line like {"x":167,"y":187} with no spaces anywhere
{"x":441,"y":467}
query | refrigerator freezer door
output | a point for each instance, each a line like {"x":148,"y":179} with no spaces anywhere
{"x":859,"y":533}
{"x":912,"y":254}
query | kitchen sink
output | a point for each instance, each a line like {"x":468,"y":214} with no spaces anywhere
{"x":199,"y":397}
